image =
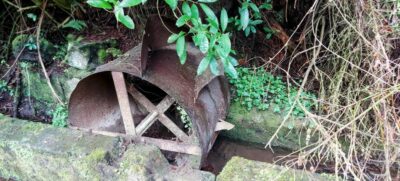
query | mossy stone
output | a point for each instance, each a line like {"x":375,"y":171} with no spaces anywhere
{"x":256,"y":126}
{"x":238,"y":169}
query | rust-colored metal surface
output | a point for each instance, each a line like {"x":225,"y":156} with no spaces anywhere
{"x":94,"y":103}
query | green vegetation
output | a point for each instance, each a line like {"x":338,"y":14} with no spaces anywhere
{"x":187,"y":122}
{"x":6,"y":88}
{"x":260,"y":89}
{"x":60,"y":116}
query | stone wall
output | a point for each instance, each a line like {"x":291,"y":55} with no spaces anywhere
{"x":35,"y":151}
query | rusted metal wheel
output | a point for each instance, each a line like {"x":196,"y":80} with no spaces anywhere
{"x":133,"y":94}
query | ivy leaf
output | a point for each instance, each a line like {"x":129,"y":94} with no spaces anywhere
{"x":203,"y":64}
{"x":129,"y":3}
{"x":224,"y":19}
{"x":186,"y":9}
{"x":182,"y":20}
{"x":172,"y":3}
{"x":124,"y":19}
{"x":174,"y":37}
{"x":99,"y":4}
{"x":181,"y":46}
{"x":195,"y":11}
{"x":207,"y":1}
{"x":244,"y":18}
{"x":210,"y":14}
{"x":214,"y":66}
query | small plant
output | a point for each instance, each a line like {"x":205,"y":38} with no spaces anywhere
{"x":78,"y":25}
{"x":60,"y":116}
{"x":268,"y":32}
{"x":61,"y":52}
{"x":184,"y":117}
{"x":32,"y":16}
{"x":6,"y":88}
{"x":31,"y":44}
{"x":262,"y":90}
{"x":250,"y":16}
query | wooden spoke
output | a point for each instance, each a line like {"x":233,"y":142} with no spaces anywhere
{"x":162,"y":144}
{"x":160,"y":109}
{"x":123,"y":100}
{"x":146,"y":123}
{"x":173,"y":146}
{"x":173,"y":127}
{"x":151,"y":118}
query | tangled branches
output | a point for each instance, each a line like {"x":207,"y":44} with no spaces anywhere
{"x":350,"y":45}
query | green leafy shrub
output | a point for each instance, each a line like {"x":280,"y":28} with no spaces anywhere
{"x":262,"y":90}
{"x":60,"y":116}
{"x":78,"y":25}
{"x":6,"y":88}
{"x":209,"y":36}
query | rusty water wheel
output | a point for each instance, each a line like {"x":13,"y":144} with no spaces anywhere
{"x":109,"y":103}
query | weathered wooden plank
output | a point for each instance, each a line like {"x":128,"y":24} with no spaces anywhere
{"x":162,"y":144}
{"x":173,"y":128}
{"x":223,"y":125}
{"x":173,"y":146}
{"x":123,"y":100}
{"x":146,"y":123}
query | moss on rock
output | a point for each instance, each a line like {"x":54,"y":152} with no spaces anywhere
{"x":35,"y":151}
{"x":257,"y":127}
{"x":238,"y":169}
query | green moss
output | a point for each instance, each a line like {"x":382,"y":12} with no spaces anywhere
{"x":238,"y":169}
{"x":257,"y":127}
{"x":35,"y":85}
{"x":101,"y":55}
{"x":18,"y":43}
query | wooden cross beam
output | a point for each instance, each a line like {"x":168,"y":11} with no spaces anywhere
{"x":157,"y":112}
{"x":123,"y":100}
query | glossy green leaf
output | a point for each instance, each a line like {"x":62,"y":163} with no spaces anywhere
{"x":186,"y":9}
{"x":195,"y":11}
{"x":210,"y":14}
{"x":203,"y":42}
{"x":172,"y":3}
{"x":224,"y":19}
{"x":247,"y":32}
{"x":174,"y":37}
{"x":181,"y":46}
{"x":244,"y":18}
{"x":182,"y":20}
{"x":266,"y":6}
{"x":183,"y":58}
{"x":129,"y":3}
{"x":99,"y":4}
{"x":203,"y":65}
{"x":214,"y":66}
{"x":225,"y":45}
{"x":124,"y":19}
{"x":230,"y":69}
{"x":254,"y":7}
